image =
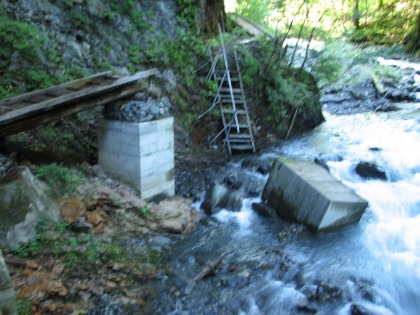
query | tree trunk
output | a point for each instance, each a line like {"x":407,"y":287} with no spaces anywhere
{"x":214,"y":14}
{"x":356,"y":14}
{"x":413,"y":39}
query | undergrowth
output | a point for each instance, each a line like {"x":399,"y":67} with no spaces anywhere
{"x":61,"y":179}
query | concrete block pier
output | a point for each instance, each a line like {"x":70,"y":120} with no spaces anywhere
{"x":305,"y":192}
{"x":141,"y":154}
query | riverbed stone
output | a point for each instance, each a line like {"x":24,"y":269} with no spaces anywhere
{"x":218,"y":197}
{"x":304,"y":192}
{"x":7,"y":293}
{"x":23,"y":201}
{"x":370,"y":170}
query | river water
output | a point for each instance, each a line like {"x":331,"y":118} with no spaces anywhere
{"x":276,"y":267}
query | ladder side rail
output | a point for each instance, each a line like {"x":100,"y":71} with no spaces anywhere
{"x":229,"y":79}
{"x":225,"y":130}
{"x":244,"y":98}
{"x":216,"y":100}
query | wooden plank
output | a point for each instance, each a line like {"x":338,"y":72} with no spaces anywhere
{"x":20,"y":104}
{"x":44,"y":117}
{"x":16,"y":115}
{"x":39,"y":98}
{"x":59,"y":92}
{"x":53,"y":88}
{"x":249,"y":26}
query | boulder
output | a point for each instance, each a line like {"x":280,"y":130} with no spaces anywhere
{"x":304,"y":192}
{"x":233,"y":181}
{"x":324,"y":158}
{"x":356,"y":309}
{"x":369,"y":170}
{"x":175,"y":215}
{"x":220,"y":197}
{"x":23,"y":201}
{"x":262,"y":209}
{"x":7,"y":294}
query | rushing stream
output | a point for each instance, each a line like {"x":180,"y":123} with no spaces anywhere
{"x":276,"y":267}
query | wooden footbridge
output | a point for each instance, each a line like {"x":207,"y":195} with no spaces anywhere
{"x":32,"y":109}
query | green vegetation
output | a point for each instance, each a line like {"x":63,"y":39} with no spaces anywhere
{"x":389,"y":22}
{"x":59,"y":241}
{"x":342,"y":64}
{"x":24,"y":307}
{"x":144,"y":212}
{"x":24,"y":46}
{"x":62,"y":179}
{"x":280,"y":90}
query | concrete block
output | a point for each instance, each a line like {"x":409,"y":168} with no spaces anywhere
{"x":7,"y":294}
{"x":167,"y":189}
{"x":141,"y":154}
{"x":305,"y":192}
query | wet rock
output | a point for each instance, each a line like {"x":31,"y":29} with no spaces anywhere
{"x":220,"y":197}
{"x":385,"y":107}
{"x":364,"y":289}
{"x":310,"y":291}
{"x":7,"y":294}
{"x":23,"y":201}
{"x":81,"y":226}
{"x":356,"y":309}
{"x":328,"y":292}
{"x":6,"y":164}
{"x":72,"y":209}
{"x":306,"y":309}
{"x":106,"y":306}
{"x":232,"y":181}
{"x":262,"y":209}
{"x":369,"y":170}
{"x":261,"y":166}
{"x":138,"y":110}
{"x":324,"y":158}
{"x":175,"y":215}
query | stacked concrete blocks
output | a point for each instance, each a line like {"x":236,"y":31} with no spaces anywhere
{"x":142,"y":154}
{"x":305,"y":192}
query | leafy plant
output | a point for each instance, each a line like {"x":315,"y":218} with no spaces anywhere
{"x":61,"y":178}
{"x":24,"y":307}
{"x":144,"y":212}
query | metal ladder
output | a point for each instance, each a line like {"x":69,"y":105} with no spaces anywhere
{"x":231,"y":98}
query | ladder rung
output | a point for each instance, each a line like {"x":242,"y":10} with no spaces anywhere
{"x":233,"y":79}
{"x":240,"y":141}
{"x":242,"y":147}
{"x":235,"y":95}
{"x":229,"y":101}
{"x":235,"y":90}
{"x":239,"y":136}
{"x":231,"y":111}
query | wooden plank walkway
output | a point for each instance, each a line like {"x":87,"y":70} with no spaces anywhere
{"x":249,"y":26}
{"x":32,"y":109}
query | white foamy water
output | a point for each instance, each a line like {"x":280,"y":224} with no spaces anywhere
{"x":389,"y":233}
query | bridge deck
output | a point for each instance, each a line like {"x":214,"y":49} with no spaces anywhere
{"x":32,"y":109}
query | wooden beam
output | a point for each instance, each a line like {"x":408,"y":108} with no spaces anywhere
{"x":38,"y":109}
{"x":249,"y":26}
{"x":53,"y":88}
{"x":71,"y":108}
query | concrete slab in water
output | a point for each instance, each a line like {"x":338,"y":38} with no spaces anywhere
{"x":305,"y":192}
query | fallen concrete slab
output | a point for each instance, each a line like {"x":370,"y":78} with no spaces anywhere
{"x":304,"y":192}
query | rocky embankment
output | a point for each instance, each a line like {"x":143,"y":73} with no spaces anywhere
{"x":101,"y":241}
{"x":375,"y":93}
